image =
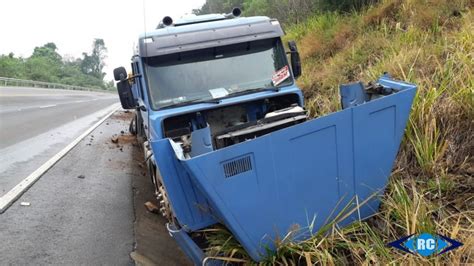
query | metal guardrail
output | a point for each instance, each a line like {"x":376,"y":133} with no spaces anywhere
{"x":41,"y":84}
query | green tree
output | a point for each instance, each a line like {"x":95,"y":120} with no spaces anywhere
{"x":286,"y":11}
{"x":218,"y":6}
{"x":10,"y":66}
{"x":41,"y":69}
{"x":46,"y":64}
{"x":48,"y":51}
{"x":93,"y":64}
{"x":256,"y":7}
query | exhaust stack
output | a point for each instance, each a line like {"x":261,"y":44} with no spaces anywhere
{"x":236,"y":12}
{"x":167,"y":21}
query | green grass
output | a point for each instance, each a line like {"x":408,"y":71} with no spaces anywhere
{"x":426,"y":42}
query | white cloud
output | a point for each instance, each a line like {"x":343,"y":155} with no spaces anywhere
{"x":73,"y":24}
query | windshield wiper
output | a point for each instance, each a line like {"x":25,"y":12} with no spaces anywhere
{"x":245,"y":92}
{"x":195,"y":101}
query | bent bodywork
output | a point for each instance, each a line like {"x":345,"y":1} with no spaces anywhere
{"x":300,"y":176}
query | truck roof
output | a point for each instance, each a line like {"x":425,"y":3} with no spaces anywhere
{"x":196,"y":33}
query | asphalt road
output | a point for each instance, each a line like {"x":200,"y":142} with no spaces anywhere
{"x":37,"y":123}
{"x":28,"y":112}
{"x":88,"y":209}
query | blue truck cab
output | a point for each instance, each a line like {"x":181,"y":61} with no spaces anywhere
{"x":227,"y":140}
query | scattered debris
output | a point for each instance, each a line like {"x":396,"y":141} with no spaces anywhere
{"x":114,"y":139}
{"x":122,"y":116}
{"x":121,"y":149}
{"x":81,"y":176}
{"x":151,"y":207}
{"x":122,"y":132}
{"x":25,"y":203}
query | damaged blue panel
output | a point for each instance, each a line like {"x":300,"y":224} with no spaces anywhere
{"x":301,"y":176}
{"x":353,"y":95}
{"x":188,"y":203}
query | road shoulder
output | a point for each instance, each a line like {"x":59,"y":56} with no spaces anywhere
{"x":82,"y":211}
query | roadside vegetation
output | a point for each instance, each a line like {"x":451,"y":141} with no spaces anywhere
{"x":46,"y":64}
{"x":426,"y":42}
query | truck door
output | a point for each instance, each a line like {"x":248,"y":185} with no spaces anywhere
{"x":142,"y":112}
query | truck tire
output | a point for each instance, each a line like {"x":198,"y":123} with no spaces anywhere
{"x":161,"y":193}
{"x":133,"y":126}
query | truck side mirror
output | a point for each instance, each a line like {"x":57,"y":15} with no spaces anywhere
{"x":125,"y":94}
{"x":295,"y":59}
{"x":124,"y":89}
{"x":120,"y":74}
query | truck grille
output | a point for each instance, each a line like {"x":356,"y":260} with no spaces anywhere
{"x":238,"y":166}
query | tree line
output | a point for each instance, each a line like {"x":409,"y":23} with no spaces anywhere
{"x":46,"y":64}
{"x":286,"y":11}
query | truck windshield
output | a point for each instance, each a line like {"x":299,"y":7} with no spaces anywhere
{"x":216,"y":72}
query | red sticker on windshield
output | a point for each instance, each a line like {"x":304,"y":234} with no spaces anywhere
{"x":281,"y":75}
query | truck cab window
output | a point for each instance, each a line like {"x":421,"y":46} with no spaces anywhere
{"x":213,"y":72}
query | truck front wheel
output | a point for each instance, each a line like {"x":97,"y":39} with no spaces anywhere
{"x":133,"y":126}
{"x":161,"y":194}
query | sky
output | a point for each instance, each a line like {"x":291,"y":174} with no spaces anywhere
{"x":73,"y":25}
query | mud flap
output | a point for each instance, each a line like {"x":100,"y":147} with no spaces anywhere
{"x":302,"y":176}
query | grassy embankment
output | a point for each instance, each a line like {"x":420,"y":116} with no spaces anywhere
{"x":426,"y":42}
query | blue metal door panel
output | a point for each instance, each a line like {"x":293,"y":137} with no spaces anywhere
{"x":301,"y":165}
{"x":303,"y":172}
{"x":297,"y":176}
{"x":378,"y":130}
{"x":243,"y":200}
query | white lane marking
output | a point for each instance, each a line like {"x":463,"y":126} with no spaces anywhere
{"x":16,"y":109}
{"x":34,"y":95}
{"x":47,"y":106}
{"x":12,"y":195}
